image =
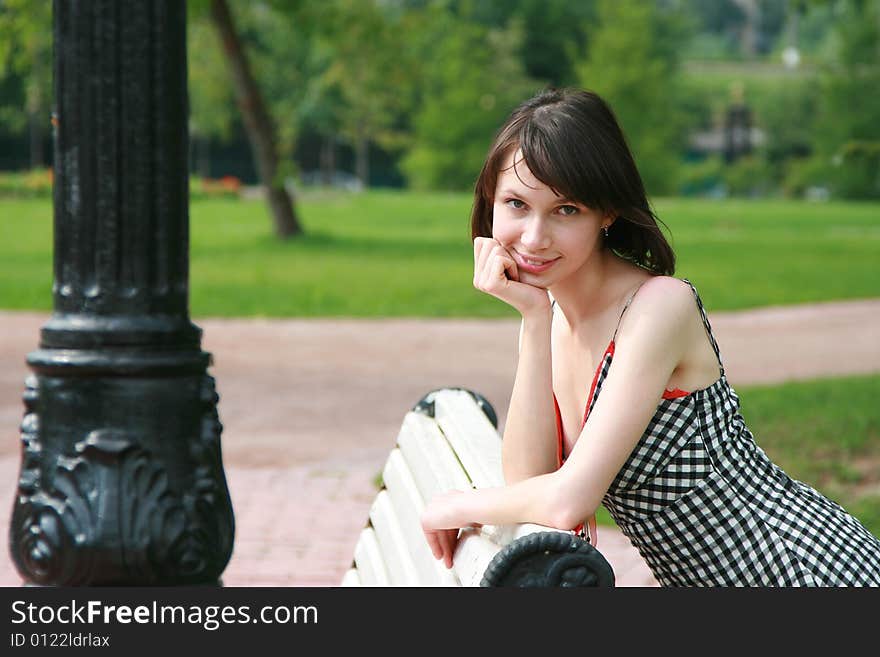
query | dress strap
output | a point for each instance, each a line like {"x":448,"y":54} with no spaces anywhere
{"x":628,"y":301}
{"x":706,"y":324}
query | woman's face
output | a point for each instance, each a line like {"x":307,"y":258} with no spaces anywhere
{"x":549,"y":237}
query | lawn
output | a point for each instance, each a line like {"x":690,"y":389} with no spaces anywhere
{"x":386,"y":253}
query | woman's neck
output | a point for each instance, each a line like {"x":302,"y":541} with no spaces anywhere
{"x":595,"y":288}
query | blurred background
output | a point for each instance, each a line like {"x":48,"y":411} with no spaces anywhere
{"x":721,"y":98}
{"x":755,"y":124}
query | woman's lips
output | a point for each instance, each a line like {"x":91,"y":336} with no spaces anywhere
{"x":532,"y":265}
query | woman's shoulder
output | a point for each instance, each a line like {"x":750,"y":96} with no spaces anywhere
{"x":664,"y":300}
{"x":660,"y":322}
{"x":664,"y":292}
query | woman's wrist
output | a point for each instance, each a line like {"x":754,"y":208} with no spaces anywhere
{"x":538,"y":315}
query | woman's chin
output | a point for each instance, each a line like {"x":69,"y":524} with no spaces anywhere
{"x":535,"y":280}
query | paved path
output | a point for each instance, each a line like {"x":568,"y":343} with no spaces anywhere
{"x":311,"y":409}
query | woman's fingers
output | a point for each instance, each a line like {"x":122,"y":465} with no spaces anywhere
{"x":496,"y":273}
{"x":493,"y":279}
{"x":483,"y":249}
{"x":434,"y":543}
{"x":442,"y":543}
{"x":449,"y":540}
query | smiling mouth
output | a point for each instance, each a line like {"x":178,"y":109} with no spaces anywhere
{"x":533,"y":265}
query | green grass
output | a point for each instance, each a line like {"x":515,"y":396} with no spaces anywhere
{"x":387,"y":253}
{"x":825,"y":433}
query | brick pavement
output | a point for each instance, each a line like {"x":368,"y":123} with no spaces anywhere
{"x":311,"y":409}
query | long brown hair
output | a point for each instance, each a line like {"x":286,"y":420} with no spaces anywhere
{"x":571,"y":141}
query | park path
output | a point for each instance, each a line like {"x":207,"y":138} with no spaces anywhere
{"x":312,"y":407}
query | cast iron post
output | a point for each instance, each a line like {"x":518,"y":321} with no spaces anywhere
{"x":121,"y":476}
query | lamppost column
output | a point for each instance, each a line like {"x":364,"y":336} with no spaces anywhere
{"x":121,"y":477}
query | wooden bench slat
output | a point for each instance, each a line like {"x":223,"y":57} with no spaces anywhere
{"x":395,"y":553}
{"x":472,"y":556}
{"x":429,"y":457}
{"x":408,"y":506}
{"x":368,"y":559}
{"x":351,"y":578}
{"x":473,"y":438}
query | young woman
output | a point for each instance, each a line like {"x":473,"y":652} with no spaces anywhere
{"x":620,"y":396}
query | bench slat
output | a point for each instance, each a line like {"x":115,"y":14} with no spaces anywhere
{"x":472,"y":556}
{"x":368,"y":559}
{"x":473,"y":438}
{"x":351,"y":578}
{"x":395,"y":553}
{"x":408,"y":506}
{"x":429,"y":457}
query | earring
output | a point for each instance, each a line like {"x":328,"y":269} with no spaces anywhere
{"x":605,"y":228}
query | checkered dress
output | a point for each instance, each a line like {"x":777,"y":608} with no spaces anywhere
{"x":705,"y":506}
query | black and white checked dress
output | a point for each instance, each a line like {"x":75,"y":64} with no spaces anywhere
{"x":705,"y":506}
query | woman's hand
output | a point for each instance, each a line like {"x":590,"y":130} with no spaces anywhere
{"x":440,"y":525}
{"x":495,"y":273}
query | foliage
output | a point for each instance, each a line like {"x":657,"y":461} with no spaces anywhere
{"x":279,"y":41}
{"x":211,"y":101}
{"x":36,"y":183}
{"x":470,"y":80}
{"x":554,"y":32}
{"x":849,"y":130}
{"x":632,"y":63}
{"x":749,"y":176}
{"x":803,"y":174}
{"x":365,"y":73}
{"x":25,"y":65}
{"x":427,"y":82}
{"x":784,"y":107}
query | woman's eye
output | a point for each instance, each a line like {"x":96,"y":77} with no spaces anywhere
{"x":568,"y":210}
{"x":516,"y":204}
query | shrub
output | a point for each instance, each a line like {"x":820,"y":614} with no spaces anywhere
{"x":225,"y":187}
{"x":36,"y":183}
{"x":749,"y":176}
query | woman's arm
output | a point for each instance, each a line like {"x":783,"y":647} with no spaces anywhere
{"x":529,"y":444}
{"x":650,"y":344}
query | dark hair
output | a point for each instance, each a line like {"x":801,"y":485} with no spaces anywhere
{"x":572,"y":142}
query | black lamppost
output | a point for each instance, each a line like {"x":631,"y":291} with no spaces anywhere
{"x":121,"y":476}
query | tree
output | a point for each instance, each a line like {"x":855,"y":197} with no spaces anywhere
{"x":257,"y":120}
{"x":211,"y":100}
{"x":26,"y":53}
{"x":365,"y":72}
{"x":632,"y":63}
{"x":848,"y":129}
{"x":470,"y":78}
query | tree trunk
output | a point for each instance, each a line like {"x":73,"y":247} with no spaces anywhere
{"x":328,"y":160}
{"x":261,"y":132}
{"x":362,"y":159}
{"x":36,"y":140}
{"x":203,"y":157}
{"x":749,"y":36}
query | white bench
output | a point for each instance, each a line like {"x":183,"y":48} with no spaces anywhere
{"x":449,"y":441}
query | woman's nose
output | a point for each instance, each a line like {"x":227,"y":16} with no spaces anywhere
{"x":535,"y":234}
